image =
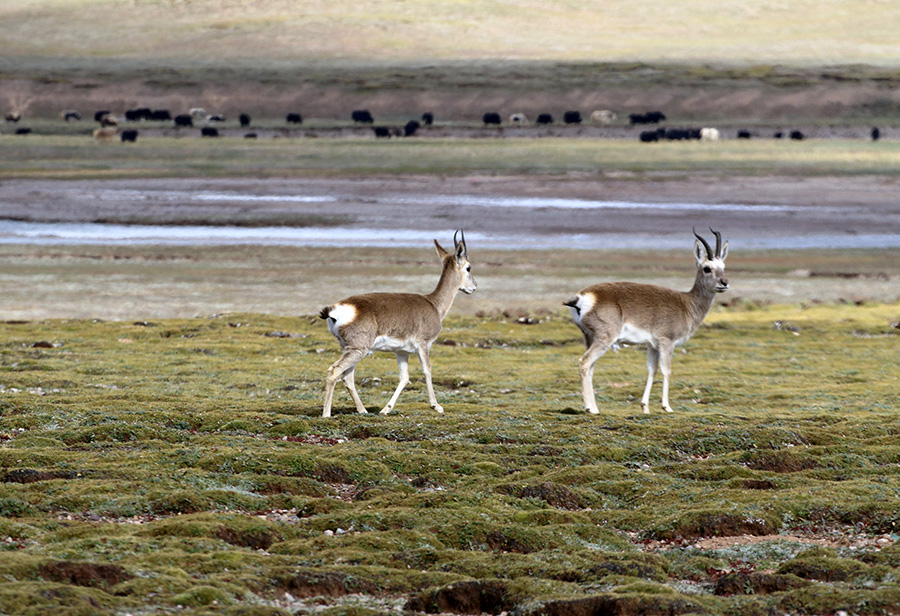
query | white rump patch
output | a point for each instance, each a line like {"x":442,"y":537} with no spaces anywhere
{"x":394,"y":345}
{"x":339,"y":316}
{"x":584,"y":305}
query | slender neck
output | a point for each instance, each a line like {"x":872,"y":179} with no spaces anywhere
{"x":701,"y":298}
{"x":445,"y":291}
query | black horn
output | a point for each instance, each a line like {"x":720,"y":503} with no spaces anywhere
{"x":718,"y":242}
{"x":461,"y":242}
{"x":709,"y":252}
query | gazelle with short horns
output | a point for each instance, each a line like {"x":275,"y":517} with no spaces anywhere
{"x":401,"y":323}
{"x":660,"y":318}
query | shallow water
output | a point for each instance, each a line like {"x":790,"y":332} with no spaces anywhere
{"x":388,"y":218}
{"x":450,"y":200}
{"x":16,"y":232}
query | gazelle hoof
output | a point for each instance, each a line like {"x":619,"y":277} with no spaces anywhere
{"x":386,"y":410}
{"x":645,"y":409}
{"x":593,"y":411}
{"x":668,"y":409}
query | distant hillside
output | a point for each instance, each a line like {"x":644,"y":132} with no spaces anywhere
{"x":737,"y":60}
{"x":796,"y":32}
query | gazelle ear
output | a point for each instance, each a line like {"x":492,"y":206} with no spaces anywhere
{"x":699,"y":252}
{"x":724,"y":250}
{"x":460,"y":251}
{"x":460,"y":245}
{"x":440,"y":250}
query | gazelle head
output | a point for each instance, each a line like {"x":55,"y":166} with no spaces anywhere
{"x":458,"y":263}
{"x":711,"y":264}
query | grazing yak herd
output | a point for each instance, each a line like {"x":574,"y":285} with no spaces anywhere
{"x":109,"y":130}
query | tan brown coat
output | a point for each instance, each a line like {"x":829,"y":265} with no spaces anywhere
{"x":614,"y":313}
{"x":400,"y":323}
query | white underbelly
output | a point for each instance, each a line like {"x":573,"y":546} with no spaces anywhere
{"x":393,"y":345}
{"x":635,"y":335}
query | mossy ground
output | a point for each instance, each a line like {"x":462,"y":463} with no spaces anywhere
{"x":149,"y":465}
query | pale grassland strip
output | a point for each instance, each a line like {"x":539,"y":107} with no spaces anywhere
{"x":79,"y":156}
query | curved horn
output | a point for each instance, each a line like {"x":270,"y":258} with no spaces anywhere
{"x":461,"y":242}
{"x":709,"y":252}
{"x":718,"y":242}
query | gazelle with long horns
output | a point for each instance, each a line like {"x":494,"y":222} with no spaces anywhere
{"x":400,"y":323}
{"x":660,"y":318}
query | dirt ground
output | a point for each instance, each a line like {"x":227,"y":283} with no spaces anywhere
{"x":456,"y":94}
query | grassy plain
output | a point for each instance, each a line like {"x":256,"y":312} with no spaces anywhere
{"x":149,"y":465}
{"x":74,"y":157}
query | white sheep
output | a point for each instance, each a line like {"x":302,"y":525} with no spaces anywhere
{"x":604,"y":117}
{"x":709,"y":134}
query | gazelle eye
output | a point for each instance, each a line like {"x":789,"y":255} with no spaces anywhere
{"x":468,"y":268}
{"x":707,"y":269}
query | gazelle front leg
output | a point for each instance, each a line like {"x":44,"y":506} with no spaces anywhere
{"x":665,"y":366}
{"x":422,"y":352}
{"x":652,"y":363}
{"x":403,"y":366}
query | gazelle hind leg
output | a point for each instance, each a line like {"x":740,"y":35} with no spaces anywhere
{"x":329,"y":396}
{"x":652,"y":364}
{"x":426,"y":369}
{"x":403,"y":366}
{"x":350,"y":382}
{"x":347,"y":361}
{"x":586,"y":370}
